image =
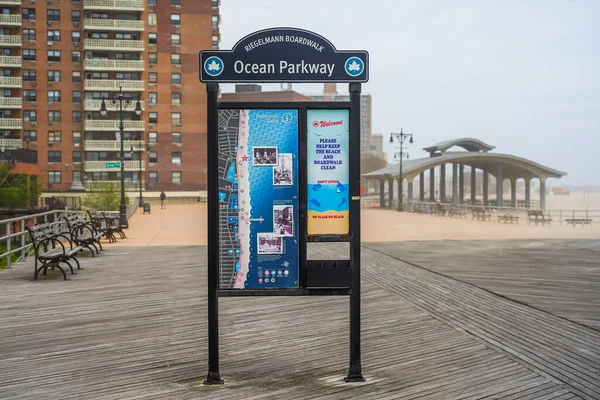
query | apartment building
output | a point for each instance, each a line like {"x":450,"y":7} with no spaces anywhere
{"x":61,"y":59}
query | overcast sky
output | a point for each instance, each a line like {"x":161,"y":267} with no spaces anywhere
{"x":521,"y":75}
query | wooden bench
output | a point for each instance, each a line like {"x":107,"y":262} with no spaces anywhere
{"x":457,"y":213}
{"x":52,"y":249}
{"x":480,"y":214}
{"x":538,"y":217}
{"x":508,"y":218}
{"x":579,"y":221}
{"x":84,"y":234}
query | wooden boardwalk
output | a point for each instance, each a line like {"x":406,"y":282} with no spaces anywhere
{"x":133,"y":325}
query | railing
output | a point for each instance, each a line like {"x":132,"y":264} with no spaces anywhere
{"x":94,"y":105}
{"x":10,"y":19}
{"x":562,"y":215}
{"x":10,"y":61}
{"x":11,"y":144}
{"x":91,"y":186}
{"x":18,"y":155}
{"x":114,"y":145}
{"x":120,"y":5}
{"x":11,"y":123}
{"x":108,"y":44}
{"x":11,"y":82}
{"x":11,"y":40}
{"x":113,"y":84}
{"x":10,"y":2}
{"x":111,"y":125}
{"x":101,"y":166}
{"x":119,"y":65}
{"x":113,"y":24}
{"x":11,"y":102}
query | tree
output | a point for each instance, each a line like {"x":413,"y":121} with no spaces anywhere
{"x":105,"y":197}
{"x":17,"y":191}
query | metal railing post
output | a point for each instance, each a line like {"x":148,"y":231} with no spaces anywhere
{"x":8,"y":240}
{"x":23,"y":252}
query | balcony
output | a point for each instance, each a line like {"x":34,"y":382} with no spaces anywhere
{"x":130,"y":186}
{"x":111,"y":166}
{"x":11,"y":102}
{"x":115,"y":45}
{"x":10,"y":61}
{"x":116,"y":5}
{"x":11,"y":82}
{"x":112,"y":24}
{"x":114,"y":65}
{"x":11,"y":123}
{"x":113,"y":84}
{"x":110,"y":125}
{"x":94,"y":105}
{"x":10,"y":41}
{"x":114,"y":145}
{"x":10,"y":20}
{"x":10,"y":2}
{"x":11,"y":144}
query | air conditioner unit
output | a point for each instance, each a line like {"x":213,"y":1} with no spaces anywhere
{"x":49,"y":23}
{"x":34,"y":103}
{"x":178,"y":144}
{"x":178,"y":164}
{"x":50,"y":43}
{"x":33,"y":83}
{"x":75,"y":23}
{"x":75,"y":44}
{"x":33,"y":42}
{"x":50,"y":83}
{"x":34,"y":124}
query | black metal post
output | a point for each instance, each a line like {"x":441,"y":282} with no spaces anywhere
{"x":214,"y":376}
{"x":123,"y":208}
{"x":355,"y":369}
{"x":141,"y":203}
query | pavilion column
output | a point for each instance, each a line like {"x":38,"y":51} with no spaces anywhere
{"x":473,"y":186}
{"x":527,"y":193}
{"x":461,"y":183}
{"x":542,"y":194}
{"x":513,"y":193}
{"x":499,"y":185}
{"x":486,"y":184}
{"x":432,"y":184}
{"x":422,"y":186}
{"x":454,"y":183}
{"x":381,"y":193}
{"x":390,"y":192}
{"x":410,"y":190}
{"x":443,"y":183}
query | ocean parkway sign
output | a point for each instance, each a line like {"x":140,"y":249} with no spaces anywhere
{"x":284,"y":55}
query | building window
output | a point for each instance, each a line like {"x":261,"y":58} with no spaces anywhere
{"x":176,"y":118}
{"x":29,"y":95}
{"x":175,"y":19}
{"x":76,"y":176}
{"x":175,"y":137}
{"x":75,"y":16}
{"x":53,"y":55}
{"x":76,"y":116}
{"x":54,"y":15}
{"x":176,"y":157}
{"x":54,"y":137}
{"x":152,"y":38}
{"x":176,"y":99}
{"x":75,"y":36}
{"x":29,"y":75}
{"x":76,"y":137}
{"x":76,"y":96}
{"x":151,"y":19}
{"x":54,"y":35}
{"x":175,"y":2}
{"x":53,"y":116}
{"x":215,"y":22}
{"x":175,"y":78}
{"x":152,"y":77}
{"x":176,"y":177}
{"x":30,"y":136}
{"x":151,"y":3}
{"x":29,"y":54}
{"x":29,"y":14}
{"x":77,"y":156}
{"x":152,"y":157}
{"x":215,"y":40}
{"x":152,"y":58}
{"x":175,"y":39}
{"x":76,"y":56}
{"x":153,"y":98}
{"x":28,"y":34}
{"x":153,"y":177}
{"x":153,"y":117}
{"x":152,"y":137}
{"x":76,"y":76}
{"x":54,"y":156}
{"x":176,"y":59}
{"x":29,"y":116}
{"x":54,"y":177}
{"x":53,"y":76}
{"x":53,"y":96}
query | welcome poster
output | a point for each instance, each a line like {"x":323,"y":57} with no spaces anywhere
{"x":328,"y":172}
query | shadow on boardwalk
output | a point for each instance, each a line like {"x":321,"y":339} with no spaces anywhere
{"x":133,"y":323}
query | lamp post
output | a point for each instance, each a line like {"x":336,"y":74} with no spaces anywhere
{"x":119,"y":99}
{"x":401,"y":138}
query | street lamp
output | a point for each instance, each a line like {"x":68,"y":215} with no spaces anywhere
{"x":120,"y":99}
{"x":401,"y":138}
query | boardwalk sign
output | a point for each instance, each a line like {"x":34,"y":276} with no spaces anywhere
{"x":284,"y":55}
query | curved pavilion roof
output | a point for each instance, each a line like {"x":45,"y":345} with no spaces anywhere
{"x":469,"y":144}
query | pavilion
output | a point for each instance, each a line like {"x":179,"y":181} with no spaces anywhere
{"x":476,"y":157}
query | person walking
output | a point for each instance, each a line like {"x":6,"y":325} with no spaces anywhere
{"x":163,"y":199}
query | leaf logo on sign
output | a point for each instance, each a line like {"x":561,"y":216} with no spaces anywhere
{"x":213,"y":66}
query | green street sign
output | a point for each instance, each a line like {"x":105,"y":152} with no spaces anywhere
{"x":113,"y":164}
